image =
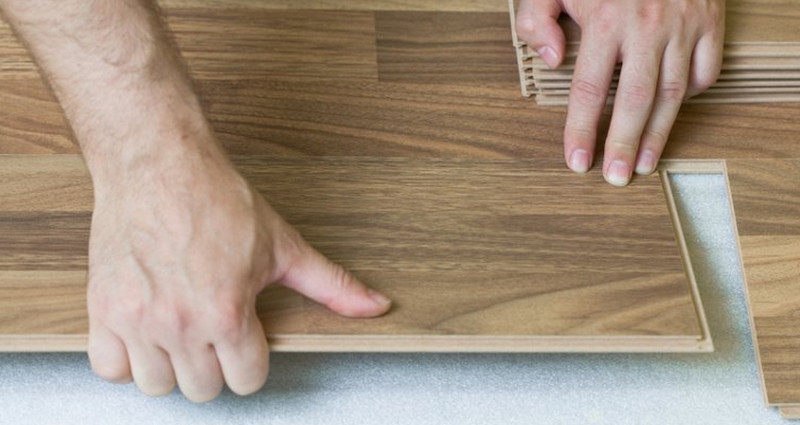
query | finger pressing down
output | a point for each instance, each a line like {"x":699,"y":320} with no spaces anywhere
{"x":587,"y":99}
{"x":632,"y":106}
{"x":327,"y":283}
{"x":672,"y":84}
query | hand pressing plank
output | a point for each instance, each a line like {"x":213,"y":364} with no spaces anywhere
{"x":180,"y":243}
{"x":669,"y":49}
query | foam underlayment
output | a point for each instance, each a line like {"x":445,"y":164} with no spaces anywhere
{"x":722,"y":387}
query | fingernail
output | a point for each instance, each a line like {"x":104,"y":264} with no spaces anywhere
{"x":619,"y":173}
{"x":579,"y":161}
{"x":549,"y":56}
{"x":378,"y":297}
{"x":647,"y":163}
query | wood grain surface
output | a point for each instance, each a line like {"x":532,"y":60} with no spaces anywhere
{"x":402,"y":5}
{"x":475,"y":253}
{"x":445,"y":48}
{"x":267,"y":94}
{"x":766,"y":199}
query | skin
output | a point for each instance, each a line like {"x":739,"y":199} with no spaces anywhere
{"x":180,"y":243}
{"x":669,"y":49}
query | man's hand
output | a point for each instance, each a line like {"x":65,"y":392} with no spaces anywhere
{"x":180,"y":244}
{"x":669,"y":49}
{"x":179,"y":250}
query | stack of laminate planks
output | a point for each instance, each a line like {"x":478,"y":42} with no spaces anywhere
{"x":761,"y":58}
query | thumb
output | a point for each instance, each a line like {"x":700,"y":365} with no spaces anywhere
{"x":327,"y":283}
{"x":537,"y":25}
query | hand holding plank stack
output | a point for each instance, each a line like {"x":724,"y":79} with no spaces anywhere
{"x":761,"y":58}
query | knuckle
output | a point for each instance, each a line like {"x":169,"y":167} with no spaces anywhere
{"x":587,"y":93}
{"x":175,"y":318}
{"x":672,"y":91}
{"x":340,"y":279}
{"x":635,"y":96}
{"x":714,"y":12}
{"x":624,"y":145}
{"x":654,"y":137}
{"x":606,"y":10}
{"x":705,"y":79}
{"x":580,"y":133}
{"x":651,"y":13}
{"x":132,"y":309}
{"x":231,"y":314}
{"x":603,"y":21}
{"x":526,"y":27}
{"x":684,"y":9}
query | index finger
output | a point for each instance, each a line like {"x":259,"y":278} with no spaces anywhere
{"x":588,"y":94}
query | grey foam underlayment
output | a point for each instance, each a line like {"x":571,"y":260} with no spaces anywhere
{"x":722,"y":387}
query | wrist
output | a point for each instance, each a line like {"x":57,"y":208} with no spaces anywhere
{"x":170,"y":146}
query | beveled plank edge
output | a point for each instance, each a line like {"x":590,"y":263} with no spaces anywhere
{"x":789,"y":411}
{"x":686,"y":260}
{"x":748,"y":304}
{"x":521,"y":51}
{"x":414,"y":344}
{"x":692,"y":166}
{"x":444,"y":343}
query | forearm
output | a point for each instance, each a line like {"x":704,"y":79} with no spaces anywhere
{"x":120,"y":82}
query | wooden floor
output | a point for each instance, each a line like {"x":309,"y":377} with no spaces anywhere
{"x":340,"y":86}
{"x":766,"y":199}
{"x":375,"y":83}
{"x":480,"y":255}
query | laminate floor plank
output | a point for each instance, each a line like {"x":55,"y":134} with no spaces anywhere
{"x":252,"y":43}
{"x":773,"y":21}
{"x":444,"y":121}
{"x":414,"y":120}
{"x":445,"y":48}
{"x":260,"y":104}
{"x":766,"y":200}
{"x":403,"y":5}
{"x":309,"y":45}
{"x":31,"y":120}
{"x":480,"y":255}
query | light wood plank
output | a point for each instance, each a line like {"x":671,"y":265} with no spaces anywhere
{"x":766,"y":200}
{"x":449,"y":48}
{"x":411,"y":120}
{"x":274,"y":109}
{"x":481,"y":255}
{"x":403,"y":5}
{"x":252,"y":43}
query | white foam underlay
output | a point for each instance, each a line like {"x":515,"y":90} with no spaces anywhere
{"x":718,"y":388}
